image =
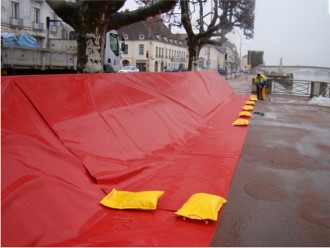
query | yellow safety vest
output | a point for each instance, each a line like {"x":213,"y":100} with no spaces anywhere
{"x":260,"y":80}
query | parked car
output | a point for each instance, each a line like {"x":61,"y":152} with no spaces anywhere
{"x":171,"y":69}
{"x":222,"y":72}
{"x":129,"y":68}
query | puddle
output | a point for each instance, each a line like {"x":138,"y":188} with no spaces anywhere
{"x":286,"y":100}
{"x":265,"y":191}
{"x":267,"y":115}
{"x":317,"y":213}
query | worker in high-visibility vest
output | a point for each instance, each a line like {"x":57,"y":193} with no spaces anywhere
{"x":261,"y":82}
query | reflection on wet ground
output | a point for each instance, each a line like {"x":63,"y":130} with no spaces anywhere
{"x":280,"y":194}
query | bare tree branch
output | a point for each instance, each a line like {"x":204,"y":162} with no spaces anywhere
{"x":66,"y":10}
{"x":121,"y":19}
{"x":186,"y":21}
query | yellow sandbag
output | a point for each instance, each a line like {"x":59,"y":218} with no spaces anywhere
{"x":202,"y":206}
{"x":241,"y":122}
{"x":250,"y":103}
{"x":248,"y":107}
{"x":146,"y":200}
{"x":263,"y":93}
{"x":253,"y":98}
{"x":244,"y":114}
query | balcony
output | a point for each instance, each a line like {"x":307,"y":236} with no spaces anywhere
{"x":37,"y":25}
{"x":18,"y":22}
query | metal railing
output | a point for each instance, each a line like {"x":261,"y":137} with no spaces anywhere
{"x":290,"y":87}
{"x":300,"y":88}
{"x":38,"y":25}
{"x":326,"y":90}
{"x":16,"y":21}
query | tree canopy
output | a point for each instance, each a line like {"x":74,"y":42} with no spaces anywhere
{"x":256,"y":58}
{"x":91,"y":19}
{"x":212,"y":24}
{"x":208,"y":21}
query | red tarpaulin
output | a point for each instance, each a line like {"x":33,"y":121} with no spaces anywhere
{"x":67,"y":140}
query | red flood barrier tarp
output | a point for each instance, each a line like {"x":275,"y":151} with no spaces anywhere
{"x":67,"y":140}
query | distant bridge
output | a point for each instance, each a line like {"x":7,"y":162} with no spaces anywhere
{"x":291,"y":69}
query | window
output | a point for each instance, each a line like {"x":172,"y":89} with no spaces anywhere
{"x":73,"y":35}
{"x":37,"y":15}
{"x":126,"y":49}
{"x":15,"y":10}
{"x":141,"y":49}
{"x":54,"y":17}
{"x":114,"y":44}
{"x":201,"y":63}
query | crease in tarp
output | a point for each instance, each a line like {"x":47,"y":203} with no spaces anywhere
{"x":156,"y":92}
{"x":133,"y":132}
{"x":37,"y":175}
{"x":186,"y":82}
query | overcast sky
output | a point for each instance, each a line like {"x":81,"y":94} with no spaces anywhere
{"x":296,"y":30}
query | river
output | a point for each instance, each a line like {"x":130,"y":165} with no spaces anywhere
{"x":312,"y":75}
{"x":302,"y":83}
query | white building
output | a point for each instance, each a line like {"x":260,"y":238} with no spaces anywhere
{"x":211,"y":57}
{"x":151,"y":46}
{"x":232,"y":60}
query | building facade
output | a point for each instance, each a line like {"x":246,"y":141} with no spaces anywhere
{"x":211,"y":57}
{"x":150,"y":46}
{"x":231,"y":61}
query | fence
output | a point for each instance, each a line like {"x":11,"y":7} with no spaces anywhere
{"x":296,"y":87}
{"x":289,"y":87}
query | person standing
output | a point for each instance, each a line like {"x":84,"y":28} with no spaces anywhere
{"x":260,"y":81}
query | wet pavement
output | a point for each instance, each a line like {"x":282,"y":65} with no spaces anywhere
{"x":280,"y":193}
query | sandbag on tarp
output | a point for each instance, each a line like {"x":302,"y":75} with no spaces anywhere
{"x":69,"y":139}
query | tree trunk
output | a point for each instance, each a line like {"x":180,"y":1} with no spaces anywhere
{"x":90,"y":50}
{"x":193,"y":50}
{"x":91,"y":37}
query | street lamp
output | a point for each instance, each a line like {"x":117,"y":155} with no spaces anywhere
{"x":240,"y":48}
{"x":48,"y":21}
{"x":248,"y":54}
